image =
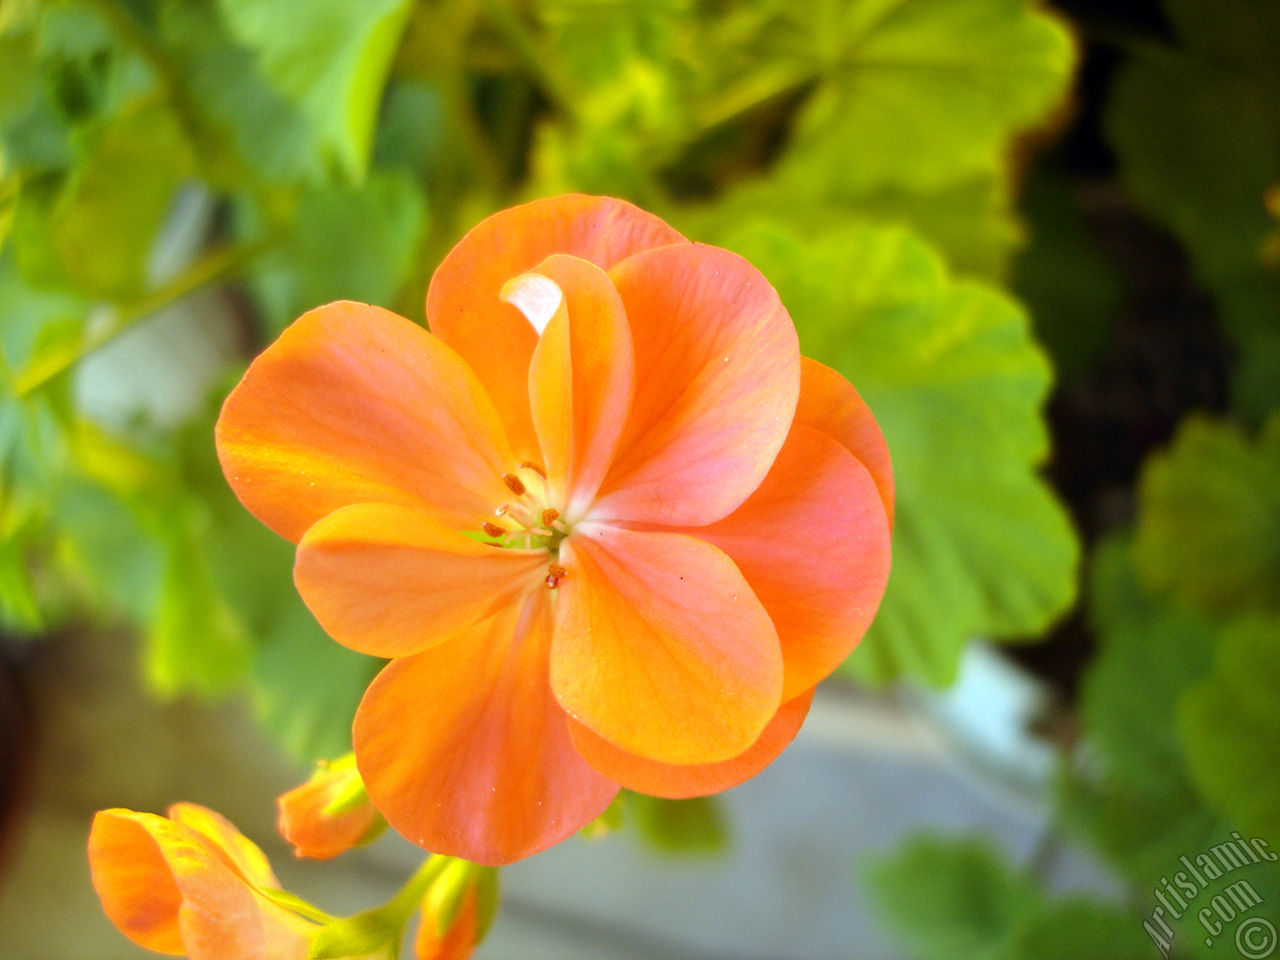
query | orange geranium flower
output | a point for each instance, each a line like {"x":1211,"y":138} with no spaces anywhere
{"x":191,"y":884}
{"x":607,"y":523}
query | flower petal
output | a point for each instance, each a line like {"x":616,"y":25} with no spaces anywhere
{"x":661,"y":647}
{"x":717,"y":378}
{"x":353,"y":404}
{"x":813,"y":543}
{"x":830,"y":403}
{"x":466,"y":752}
{"x":463,"y":307}
{"x":245,"y":856}
{"x":168,"y":888}
{"x":389,"y":580}
{"x":679,"y":782}
{"x":136,"y":885}
{"x":581,"y":381}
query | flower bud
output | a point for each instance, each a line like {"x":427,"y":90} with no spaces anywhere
{"x":330,"y":813}
{"x":457,"y":911}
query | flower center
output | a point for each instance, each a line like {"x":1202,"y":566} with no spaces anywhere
{"x":528,"y":520}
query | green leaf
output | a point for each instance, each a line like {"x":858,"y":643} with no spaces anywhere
{"x":1204,"y":167}
{"x":897,"y":111}
{"x":114,"y":553}
{"x":693,"y":827}
{"x":1072,"y":292}
{"x":949,"y":899}
{"x":18,"y":78}
{"x":241,"y":117}
{"x":981,"y":546}
{"x":1245,"y":33}
{"x":1077,"y":928}
{"x":331,"y":57}
{"x":970,"y":221}
{"x":412,"y":132}
{"x":917,"y":94}
{"x":1149,"y":653}
{"x":1209,"y":528}
{"x":34,"y":322}
{"x":21,"y":610}
{"x":345,"y":244}
{"x":194,"y":642}
{"x":102,"y":225}
{"x":957,"y":899}
{"x":1137,"y":802}
{"x":1230,"y":724}
{"x":306,"y":686}
{"x":1197,"y":132}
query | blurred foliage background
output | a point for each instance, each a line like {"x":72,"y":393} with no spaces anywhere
{"x":1042,"y":242}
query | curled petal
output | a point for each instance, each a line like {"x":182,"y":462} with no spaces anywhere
{"x":245,"y":856}
{"x":660,"y":646}
{"x":138,"y":889}
{"x":829,"y":402}
{"x":679,"y":782}
{"x":581,"y":380}
{"x":170,"y":888}
{"x":466,"y":752}
{"x":538,"y":297}
{"x":813,"y":543}
{"x":717,"y":374}
{"x":463,"y":305}
{"x":389,"y":580}
{"x":353,"y":404}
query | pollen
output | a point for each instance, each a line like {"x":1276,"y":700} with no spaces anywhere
{"x":493,"y":530}
{"x":514,"y":484}
{"x":550,"y":516}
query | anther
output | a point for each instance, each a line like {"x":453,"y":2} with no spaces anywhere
{"x":550,"y":516}
{"x":493,"y":530}
{"x":529,"y":465}
{"x":552,"y":581}
{"x":514,"y":484}
{"x":557,"y":571}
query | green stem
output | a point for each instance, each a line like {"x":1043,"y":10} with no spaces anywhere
{"x":297,"y":905}
{"x":402,"y":905}
{"x":212,"y":267}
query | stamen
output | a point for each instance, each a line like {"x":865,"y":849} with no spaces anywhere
{"x":529,"y":465}
{"x":514,"y":484}
{"x":550,"y":516}
{"x":493,"y":530}
{"x":552,"y":581}
{"x":557,"y":571}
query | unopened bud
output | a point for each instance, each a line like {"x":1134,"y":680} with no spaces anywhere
{"x":330,"y":813}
